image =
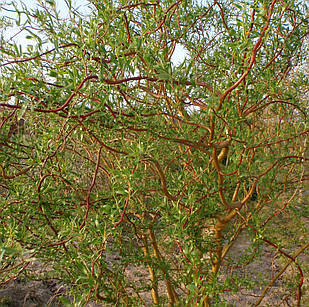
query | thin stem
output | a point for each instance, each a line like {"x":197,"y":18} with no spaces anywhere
{"x":279,"y":274}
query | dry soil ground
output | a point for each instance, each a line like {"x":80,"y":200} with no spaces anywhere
{"x":39,"y":293}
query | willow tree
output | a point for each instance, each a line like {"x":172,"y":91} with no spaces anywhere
{"x":117,"y":159}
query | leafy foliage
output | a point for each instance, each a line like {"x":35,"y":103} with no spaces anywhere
{"x":109,"y":150}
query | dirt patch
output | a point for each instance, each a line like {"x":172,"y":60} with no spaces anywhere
{"x":258,"y":271}
{"x":30,"y":294}
{"x":19,"y":293}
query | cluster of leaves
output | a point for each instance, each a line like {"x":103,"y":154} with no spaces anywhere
{"x":109,"y":150}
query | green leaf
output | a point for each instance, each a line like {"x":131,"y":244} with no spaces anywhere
{"x":164,"y":76}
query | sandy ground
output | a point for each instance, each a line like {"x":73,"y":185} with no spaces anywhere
{"x":39,"y":293}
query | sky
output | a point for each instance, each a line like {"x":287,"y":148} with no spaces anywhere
{"x":177,"y":58}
